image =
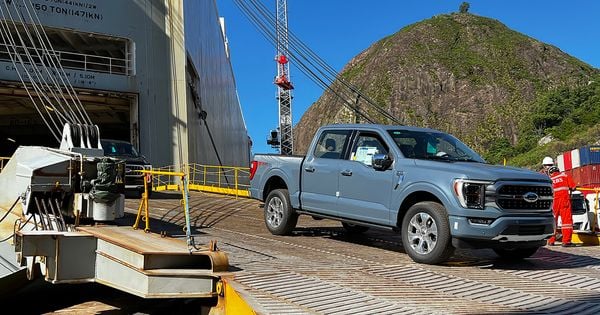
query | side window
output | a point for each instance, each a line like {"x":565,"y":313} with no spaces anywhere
{"x":366,"y":146}
{"x":331,"y":144}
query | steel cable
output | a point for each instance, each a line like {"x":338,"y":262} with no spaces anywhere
{"x":69,"y":87}
{"x":6,"y":37}
{"x":265,"y":30}
{"x":320,"y":66}
{"x":40,"y":77}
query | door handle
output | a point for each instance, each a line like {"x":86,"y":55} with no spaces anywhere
{"x":347,"y":173}
{"x":309,"y":169}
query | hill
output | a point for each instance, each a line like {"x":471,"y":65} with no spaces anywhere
{"x":470,"y":76}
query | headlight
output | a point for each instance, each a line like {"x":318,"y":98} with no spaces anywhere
{"x":470,"y":193}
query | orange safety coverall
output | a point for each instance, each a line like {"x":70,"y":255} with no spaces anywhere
{"x":562,"y":183}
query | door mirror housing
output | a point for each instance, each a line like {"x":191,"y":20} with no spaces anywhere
{"x":381,"y":162}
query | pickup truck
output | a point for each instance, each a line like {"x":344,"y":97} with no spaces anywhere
{"x":424,"y":183}
{"x":134,"y":162}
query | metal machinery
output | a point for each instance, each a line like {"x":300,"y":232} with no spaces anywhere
{"x":48,"y":195}
{"x":49,"y":202}
{"x":71,"y":183}
{"x":284,"y":86}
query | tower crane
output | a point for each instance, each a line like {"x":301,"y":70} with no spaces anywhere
{"x":283,"y":137}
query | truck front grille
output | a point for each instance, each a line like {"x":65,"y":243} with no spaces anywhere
{"x":522,"y":204}
{"x":132,"y":176}
{"x":513,"y":197}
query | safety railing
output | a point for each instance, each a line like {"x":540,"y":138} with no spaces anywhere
{"x":3,"y":161}
{"x":71,"y":60}
{"x":228,"y":180}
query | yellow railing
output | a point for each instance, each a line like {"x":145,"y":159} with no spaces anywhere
{"x":227,"y":180}
{"x":3,"y":161}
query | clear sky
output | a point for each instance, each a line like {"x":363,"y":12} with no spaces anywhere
{"x":338,"y":30}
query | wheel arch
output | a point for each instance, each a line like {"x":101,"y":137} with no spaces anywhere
{"x":274,"y":182}
{"x":412,"y":199}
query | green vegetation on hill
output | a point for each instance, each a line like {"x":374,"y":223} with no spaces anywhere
{"x":571,"y":115}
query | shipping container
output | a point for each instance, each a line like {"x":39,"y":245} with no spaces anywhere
{"x":589,"y":176}
{"x":575,"y":174}
{"x":575,"y":161}
{"x":589,"y":154}
{"x":567,"y":160}
{"x":560,"y":162}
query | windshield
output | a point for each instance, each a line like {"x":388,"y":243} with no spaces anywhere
{"x":431,"y":145}
{"x":114,"y":148}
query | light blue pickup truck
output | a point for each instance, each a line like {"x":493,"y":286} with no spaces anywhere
{"x":426,"y":184}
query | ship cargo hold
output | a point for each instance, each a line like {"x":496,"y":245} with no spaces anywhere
{"x":153,"y":72}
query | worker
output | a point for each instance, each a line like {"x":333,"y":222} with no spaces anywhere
{"x":562,"y":184}
{"x":547,"y":162}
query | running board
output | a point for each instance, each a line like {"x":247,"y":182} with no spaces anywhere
{"x":139,"y":263}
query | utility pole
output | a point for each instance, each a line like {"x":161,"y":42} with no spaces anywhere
{"x":284,"y":86}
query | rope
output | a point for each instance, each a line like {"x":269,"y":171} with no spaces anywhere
{"x":20,"y":227}
{"x":9,"y":210}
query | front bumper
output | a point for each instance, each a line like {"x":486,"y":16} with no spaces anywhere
{"x":507,"y":229}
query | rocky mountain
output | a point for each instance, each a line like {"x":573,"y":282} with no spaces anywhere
{"x":465,"y":74}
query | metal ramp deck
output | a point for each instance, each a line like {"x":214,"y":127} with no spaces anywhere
{"x":139,"y":263}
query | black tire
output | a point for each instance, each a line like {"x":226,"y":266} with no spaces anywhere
{"x":435,"y":245}
{"x":354,"y":229}
{"x":280,"y":218}
{"x":516,"y":253}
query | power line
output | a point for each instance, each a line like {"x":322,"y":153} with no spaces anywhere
{"x":306,"y":58}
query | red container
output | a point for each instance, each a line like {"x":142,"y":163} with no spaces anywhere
{"x":589,"y":175}
{"x":567,"y":160}
{"x":575,"y":175}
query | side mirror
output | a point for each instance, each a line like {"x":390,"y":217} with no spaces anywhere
{"x":381,"y":162}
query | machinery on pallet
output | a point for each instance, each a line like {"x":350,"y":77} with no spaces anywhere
{"x":50,"y":200}
{"x":72,"y":183}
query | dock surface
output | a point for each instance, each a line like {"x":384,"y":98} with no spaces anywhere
{"x":321,"y":269}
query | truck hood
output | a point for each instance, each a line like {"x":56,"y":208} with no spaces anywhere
{"x":481,"y":171}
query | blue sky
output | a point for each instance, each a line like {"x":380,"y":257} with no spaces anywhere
{"x":338,"y":30}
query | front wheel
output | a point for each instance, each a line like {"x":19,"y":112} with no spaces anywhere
{"x":516,"y":253}
{"x":426,"y":233}
{"x":280,"y":218}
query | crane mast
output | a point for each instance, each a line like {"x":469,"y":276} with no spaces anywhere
{"x":284,"y":86}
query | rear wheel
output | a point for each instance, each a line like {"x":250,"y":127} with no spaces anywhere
{"x":426,"y":233}
{"x":516,"y":253}
{"x":354,"y":229}
{"x":280,"y":218}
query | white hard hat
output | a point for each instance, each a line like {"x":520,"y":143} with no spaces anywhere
{"x":548,"y":161}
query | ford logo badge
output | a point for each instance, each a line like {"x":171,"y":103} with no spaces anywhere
{"x":530,"y":197}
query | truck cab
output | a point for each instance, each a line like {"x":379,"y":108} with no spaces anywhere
{"x":134,"y":162}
